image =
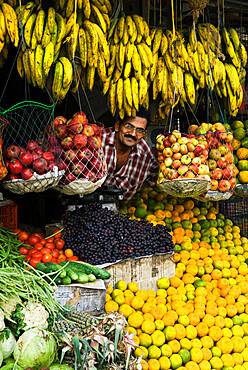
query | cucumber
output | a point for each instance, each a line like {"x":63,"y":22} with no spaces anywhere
{"x":77,"y":266}
{"x":58,"y":281}
{"x":41,"y":267}
{"x":72,"y":274}
{"x":55,"y":267}
{"x":66,"y":280}
{"x":83,"y":278}
{"x":91,"y":277}
{"x":99,"y":273}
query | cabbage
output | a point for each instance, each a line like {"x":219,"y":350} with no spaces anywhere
{"x":35,"y":348}
{"x":60,"y":367}
{"x":7,"y":343}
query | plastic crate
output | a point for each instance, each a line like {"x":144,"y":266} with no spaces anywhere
{"x":237,"y":210}
{"x":8,"y":215}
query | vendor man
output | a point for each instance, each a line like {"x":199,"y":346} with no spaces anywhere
{"x":130,"y":161}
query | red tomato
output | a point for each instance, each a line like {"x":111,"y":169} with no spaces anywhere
{"x":38,"y":246}
{"x":73,"y":258}
{"x":45,"y":250}
{"x":50,"y":245}
{"x":47,"y":257}
{"x":39,"y":235}
{"x":33,"y":262}
{"x":54,"y":260}
{"x":22,"y":236}
{"x":43,"y":241}
{"x":69,"y":253}
{"x":16,"y":231}
{"x":62,"y":257}
{"x":59,"y":243}
{"x":32,"y":251}
{"x":57,"y":236}
{"x":50,"y":240}
{"x":33,"y":239}
{"x":23,"y":250}
{"x":27,"y":258}
{"x":37,"y":254}
{"x":55,"y":253}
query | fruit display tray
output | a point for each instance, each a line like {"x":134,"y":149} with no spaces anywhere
{"x":241,"y":190}
{"x":81,"y":186}
{"x":185,"y":187}
{"x":214,"y":196}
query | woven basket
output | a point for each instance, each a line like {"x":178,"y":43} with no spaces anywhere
{"x":185,"y":187}
{"x":214,"y":196}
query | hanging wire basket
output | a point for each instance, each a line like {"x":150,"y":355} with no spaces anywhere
{"x":185,"y":187}
{"x":26,"y":134}
{"x":241,"y":190}
{"x":214,"y":196}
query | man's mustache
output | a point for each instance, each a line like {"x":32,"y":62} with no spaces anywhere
{"x":130,"y":137}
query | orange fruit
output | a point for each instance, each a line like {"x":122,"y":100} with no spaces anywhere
{"x":157,"y":312}
{"x":202,"y":329}
{"x":111,"y":306}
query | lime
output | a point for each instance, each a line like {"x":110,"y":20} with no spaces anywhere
{"x":163,"y":283}
{"x":140,"y":212}
{"x":185,"y":355}
{"x":176,"y":361}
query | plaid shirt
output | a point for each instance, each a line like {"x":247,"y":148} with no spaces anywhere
{"x":140,"y":168}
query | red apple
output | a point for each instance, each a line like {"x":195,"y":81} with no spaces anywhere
{"x":172,"y":174}
{"x":13,"y":151}
{"x":185,"y":159}
{"x":183,"y":140}
{"x":190,"y":175}
{"x":213,"y":142}
{"x":96,"y":165}
{"x":75,"y":126}
{"x":172,"y":138}
{"x":175,"y":147}
{"x":167,"y":143}
{"x":202,"y":158}
{"x":48,"y":156}
{"x":40,"y":165}
{"x":97,"y":129}
{"x":56,"y":150}
{"x":224,"y":185}
{"x":194,"y":169}
{"x":160,"y":139}
{"x":35,"y":156}
{"x":214,"y":154}
{"x":223,"y":149}
{"x":85,"y":155}
{"x":70,"y":156}
{"x":58,"y":120}
{"x":214,"y":185}
{"x":32,"y":145}
{"x":78,"y":168}
{"x":191,"y":155}
{"x":176,"y":164}
{"x":61,"y":131}
{"x":6,"y":162}
{"x":227,"y":173}
{"x":216,"y":174}
{"x":183,"y":149}
{"x":94,"y":142}
{"x":233,"y":183}
{"x":27,"y":173}
{"x":165,"y":172}
{"x":11,"y":177}
{"x":15,"y":166}
{"x":160,"y":158}
{"x":203,"y":169}
{"x":198,"y":150}
{"x":190,"y":146}
{"x":80,"y":141}
{"x":38,"y":151}
{"x":51,"y":165}
{"x":196,"y":161}
{"x":168,"y":161}
{"x":88,"y":130}
{"x":222,"y":162}
{"x":212,"y":164}
{"x":52,"y":140}
{"x":67,"y":143}
{"x":162,"y":166}
{"x":177,"y":156}
{"x":229,"y":157}
{"x":81,"y":117}
{"x":182,"y":170}
{"x":167,"y":152}
{"x":26,"y":158}
{"x":69,"y":177}
{"x":205,"y":153}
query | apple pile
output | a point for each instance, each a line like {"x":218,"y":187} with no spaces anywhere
{"x":38,"y":157}
{"x":181,"y":156}
{"x":220,"y":157}
{"x":80,"y":143}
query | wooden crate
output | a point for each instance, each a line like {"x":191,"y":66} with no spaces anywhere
{"x":145,"y":271}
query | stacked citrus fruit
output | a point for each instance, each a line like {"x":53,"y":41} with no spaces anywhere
{"x":197,"y":319}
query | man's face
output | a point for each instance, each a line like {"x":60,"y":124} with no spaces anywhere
{"x":131,"y":130}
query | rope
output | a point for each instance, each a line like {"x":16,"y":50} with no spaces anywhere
{"x":160,"y":12}
{"x":223,"y":5}
{"x":173,"y":19}
{"x":148,"y":11}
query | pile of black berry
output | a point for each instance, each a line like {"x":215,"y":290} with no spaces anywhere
{"x":97,"y":235}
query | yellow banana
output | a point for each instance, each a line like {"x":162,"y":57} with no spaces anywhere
{"x":19,"y":64}
{"x":189,"y":88}
{"x":192,"y":39}
{"x":135,"y":92}
{"x":103,"y":44}
{"x":100,"y":5}
{"x":136,"y":62}
{"x":11,"y":23}
{"x":51,"y":19}
{"x":197,"y":64}
{"x":129,"y":51}
{"x":164,"y":44}
{"x":155,"y":90}
{"x":112,"y":97}
{"x":129,"y":25}
{"x":31,"y":56}
{"x":90,"y":76}
{"x":127,"y":70}
{"x":48,"y":58}
{"x":69,"y":24}
{"x":143,"y":55}
{"x":133,"y":38}
{"x":120,"y":27}
{"x":39,"y":53}
{"x":157,"y":40}
{"x":128,"y":91}
{"x":73,"y":40}
{"x":93,"y":36}
{"x":119,"y":93}
{"x":61,"y":27}
{"x":145,"y":103}
{"x":126,"y":106}
{"x":106,"y":85}
{"x":39,"y":25}
{"x":68,"y":72}
{"x":217,"y":89}
{"x":225,"y":36}
{"x":125,"y":37}
{"x":57,"y":80}
{"x":54,"y":34}
{"x":231,"y":78}
{"x":99,"y":18}
{"x":235,"y":37}
{"x":25,"y":12}
{"x":139,"y":24}
{"x":243,"y":55}
{"x":69,"y":8}
{"x":146,"y":34}
{"x":57,"y":49}
{"x":165,"y":85}
{"x":108,"y":6}
{"x":101,"y":68}
{"x":116,"y":75}
{"x":160,"y":73}
{"x":46,"y":38}
{"x":2,"y":27}
{"x":142,"y":89}
{"x":82,"y":44}
{"x":86,"y":8}
{"x":154,"y":64}
{"x":28,"y":29}
{"x":169,"y":63}
{"x":25,"y":59}
{"x":121,"y":56}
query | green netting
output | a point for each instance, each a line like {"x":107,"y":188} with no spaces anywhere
{"x":28,"y":121}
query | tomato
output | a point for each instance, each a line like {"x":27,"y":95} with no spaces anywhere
{"x":54,"y":260}
{"x":33,"y":262}
{"x":27,"y":258}
{"x":45,"y":250}
{"x":16,"y":231}
{"x":38,"y":246}
{"x":33,"y":239}
{"x":23,"y":250}
{"x":62,"y":257}
{"x":55,"y":253}
{"x":50,"y":245}
{"x":31,"y":251}
{"x":50,"y":240}
{"x":37,"y":255}
{"x":57,"y":236}
{"x":39,"y":235}
{"x":73,"y":258}
{"x":68,"y":252}
{"x":59,"y":243}
{"x":43,"y":241}
{"x":22,"y":236}
{"x":47,"y":257}
{"x":61,"y":252}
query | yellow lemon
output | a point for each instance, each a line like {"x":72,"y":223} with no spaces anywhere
{"x":125,"y":310}
{"x":154,"y":352}
{"x":137,"y":302}
{"x":135,"y":320}
{"x":116,"y":292}
{"x":169,"y":332}
{"x":176,"y":361}
{"x":141,"y":351}
{"x":216,"y":363}
{"x":159,"y":324}
{"x":133,"y":286}
{"x":196,"y":355}
{"x":148,"y":326}
{"x":111,"y":306}
{"x":119,"y":299}
{"x":166,"y":350}
{"x":121,"y":284}
{"x":153,"y":364}
{"x":158,"y":338}
{"x":204,"y":365}
{"x":164,"y":363}
{"x":186,"y":343}
{"x":145,"y":340}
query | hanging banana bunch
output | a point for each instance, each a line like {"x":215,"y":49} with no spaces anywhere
{"x":130,"y":64}
{"x":8,"y":30}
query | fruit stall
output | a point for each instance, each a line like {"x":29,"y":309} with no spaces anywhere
{"x":91,"y":278}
